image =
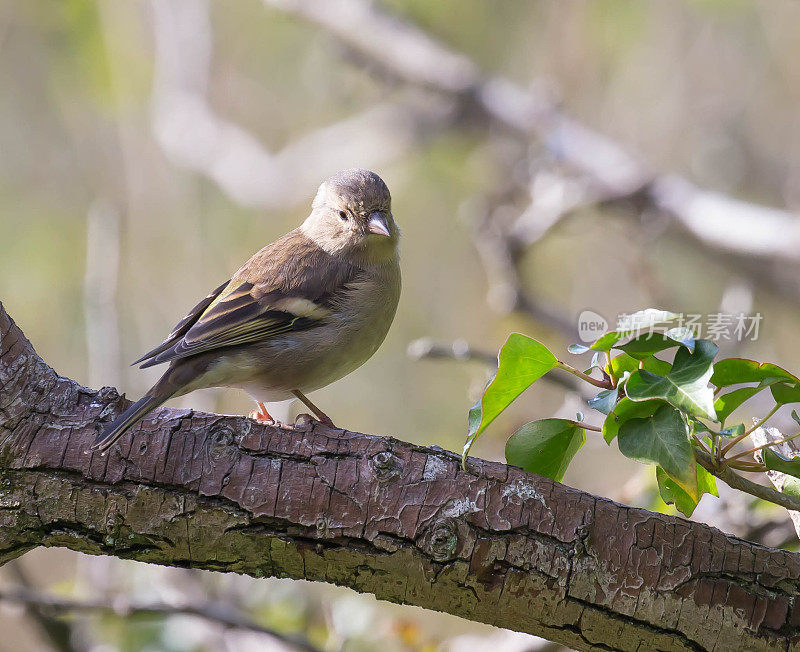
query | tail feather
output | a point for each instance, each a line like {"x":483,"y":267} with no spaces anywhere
{"x":172,"y":383}
{"x":123,"y":422}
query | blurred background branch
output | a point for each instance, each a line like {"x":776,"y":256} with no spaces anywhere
{"x":46,"y":606}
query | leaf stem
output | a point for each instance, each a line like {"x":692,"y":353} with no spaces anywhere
{"x":586,"y":426}
{"x":758,"y":424}
{"x":592,"y":381}
{"x":763,"y":446}
{"x":700,"y":444}
{"x":749,"y":467}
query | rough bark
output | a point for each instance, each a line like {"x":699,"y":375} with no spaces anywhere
{"x":404,"y":522}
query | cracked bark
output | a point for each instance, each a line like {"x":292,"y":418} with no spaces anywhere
{"x":404,"y":522}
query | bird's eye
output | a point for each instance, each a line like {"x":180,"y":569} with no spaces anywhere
{"x":343,"y":214}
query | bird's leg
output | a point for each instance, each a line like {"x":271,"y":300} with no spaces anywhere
{"x":261,"y":415}
{"x":321,"y":416}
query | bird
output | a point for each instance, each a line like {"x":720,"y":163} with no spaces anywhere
{"x":300,"y":314}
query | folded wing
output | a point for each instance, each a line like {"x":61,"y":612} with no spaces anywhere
{"x":289,"y":285}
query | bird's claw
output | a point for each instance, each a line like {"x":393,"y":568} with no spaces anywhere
{"x":305,"y":421}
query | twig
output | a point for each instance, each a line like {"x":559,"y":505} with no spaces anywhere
{"x":763,"y":446}
{"x":602,"y":384}
{"x":611,"y":173}
{"x":425,"y":348}
{"x":736,"y":481}
{"x":747,"y":432}
{"x":216,"y":612}
{"x":58,"y":633}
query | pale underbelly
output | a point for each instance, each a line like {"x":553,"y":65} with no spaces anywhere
{"x":305,"y":361}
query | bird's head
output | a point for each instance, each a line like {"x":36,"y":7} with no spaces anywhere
{"x":352,"y":216}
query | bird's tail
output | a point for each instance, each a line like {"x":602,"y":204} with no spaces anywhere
{"x":176,"y":381}
{"x":124,"y":421}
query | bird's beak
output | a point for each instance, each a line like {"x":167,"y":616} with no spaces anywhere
{"x":377,"y":224}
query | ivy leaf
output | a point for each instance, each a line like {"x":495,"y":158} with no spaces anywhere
{"x":777,"y":462}
{"x":607,"y":341}
{"x":672,"y":493}
{"x":685,"y":386}
{"x":647,"y":345}
{"x":727,"y":403}
{"x":605,"y":401}
{"x":624,"y":362}
{"x":732,"y":371}
{"x":545,"y":447}
{"x":662,"y":439}
{"x":682,"y":335}
{"x":520,"y":363}
{"x":784,"y":393}
{"x":623,"y":411}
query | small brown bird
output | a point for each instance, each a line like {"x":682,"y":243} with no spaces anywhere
{"x":302,"y":313}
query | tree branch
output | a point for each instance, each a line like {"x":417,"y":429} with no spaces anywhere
{"x":494,"y":544}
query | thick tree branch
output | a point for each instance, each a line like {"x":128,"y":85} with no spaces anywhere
{"x":493,"y":544}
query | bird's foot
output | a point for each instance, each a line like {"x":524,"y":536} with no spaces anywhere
{"x":304,"y":421}
{"x":262,"y":416}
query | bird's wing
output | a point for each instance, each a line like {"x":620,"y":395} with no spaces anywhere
{"x":183,"y":326}
{"x":289,"y":285}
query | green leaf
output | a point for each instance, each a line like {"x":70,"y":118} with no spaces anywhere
{"x":732,"y":371}
{"x":685,"y":386}
{"x":624,"y":410}
{"x":727,"y":403}
{"x":662,"y":439}
{"x":647,"y":345}
{"x":605,"y":401}
{"x":682,"y":335}
{"x":545,"y":447}
{"x":795,"y":417}
{"x":784,"y":393}
{"x":777,"y":462}
{"x":672,"y":493}
{"x":607,"y":341}
{"x":624,"y":362}
{"x":521,"y":362}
